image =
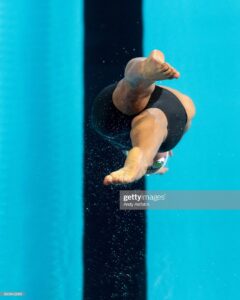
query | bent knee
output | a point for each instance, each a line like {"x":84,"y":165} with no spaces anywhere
{"x":189,"y":106}
{"x":152,"y":115}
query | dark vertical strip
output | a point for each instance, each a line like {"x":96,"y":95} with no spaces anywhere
{"x":114,"y":240}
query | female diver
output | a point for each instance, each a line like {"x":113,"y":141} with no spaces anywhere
{"x":141,"y":118}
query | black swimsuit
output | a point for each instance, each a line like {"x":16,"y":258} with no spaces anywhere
{"x":115,"y":126}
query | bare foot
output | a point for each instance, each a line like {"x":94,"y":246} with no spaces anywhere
{"x":155,"y":68}
{"x":134,"y":168}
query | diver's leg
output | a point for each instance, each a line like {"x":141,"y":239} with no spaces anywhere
{"x":149,"y":130}
{"x":134,"y":90}
{"x":187,"y":102}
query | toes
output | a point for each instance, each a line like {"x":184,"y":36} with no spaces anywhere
{"x":114,"y":178}
{"x":172,"y":73}
{"x":169,"y":71}
{"x":107,"y":180}
{"x":157,"y":55}
{"x":165,"y":67}
{"x":118,"y":177}
{"x":177,"y":74}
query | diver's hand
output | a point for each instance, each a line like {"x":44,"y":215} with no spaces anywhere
{"x":162,"y":171}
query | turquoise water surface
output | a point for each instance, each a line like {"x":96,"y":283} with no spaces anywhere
{"x":195,"y":254}
{"x":40,"y":148}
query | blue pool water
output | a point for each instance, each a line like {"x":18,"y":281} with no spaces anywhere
{"x":194,"y":254}
{"x":40,"y":205}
